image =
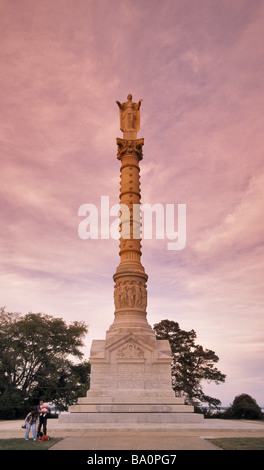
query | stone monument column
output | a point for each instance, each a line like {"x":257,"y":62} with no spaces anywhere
{"x":130,"y":291}
{"x":130,"y":368}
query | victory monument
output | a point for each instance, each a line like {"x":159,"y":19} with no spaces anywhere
{"x":130,"y":368}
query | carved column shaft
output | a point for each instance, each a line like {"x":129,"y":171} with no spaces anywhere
{"x":130,"y":152}
{"x":130,"y":294}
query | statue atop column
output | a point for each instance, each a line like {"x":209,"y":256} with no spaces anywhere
{"x":129,"y":117}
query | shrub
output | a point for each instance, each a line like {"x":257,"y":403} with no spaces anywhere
{"x":243,"y":407}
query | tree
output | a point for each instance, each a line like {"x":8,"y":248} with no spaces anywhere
{"x":35,"y":360}
{"x":72,"y":382}
{"x":191,"y":364}
{"x":243,"y":407}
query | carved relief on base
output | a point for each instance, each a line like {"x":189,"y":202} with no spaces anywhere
{"x":130,"y":294}
{"x":130,"y":351}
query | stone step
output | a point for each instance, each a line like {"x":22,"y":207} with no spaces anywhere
{"x":131,"y":408}
{"x":129,"y":400}
{"x":133,"y":392}
{"x":143,"y":418}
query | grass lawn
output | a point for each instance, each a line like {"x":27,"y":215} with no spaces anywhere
{"x":22,"y":444}
{"x":239,"y":443}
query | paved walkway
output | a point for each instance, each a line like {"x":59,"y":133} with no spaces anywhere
{"x":181,"y":436}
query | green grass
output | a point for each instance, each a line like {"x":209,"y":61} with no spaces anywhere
{"x":22,"y":444}
{"x":239,"y":443}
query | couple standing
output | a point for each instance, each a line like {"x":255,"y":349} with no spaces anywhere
{"x":37,"y":419}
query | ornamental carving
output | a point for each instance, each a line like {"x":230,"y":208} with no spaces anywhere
{"x":130,"y":147}
{"x":130,"y":294}
{"x":130,"y":351}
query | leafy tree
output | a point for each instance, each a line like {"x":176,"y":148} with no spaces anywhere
{"x":191,"y":364}
{"x":36,"y":361}
{"x":72,"y":381}
{"x":243,"y":407}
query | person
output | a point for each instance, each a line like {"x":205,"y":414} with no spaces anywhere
{"x":43,"y":410}
{"x":31,"y":422}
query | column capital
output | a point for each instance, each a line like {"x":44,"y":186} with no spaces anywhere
{"x":130,"y":147}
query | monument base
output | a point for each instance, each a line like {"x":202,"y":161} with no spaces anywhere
{"x":141,"y":407}
{"x":131,"y":383}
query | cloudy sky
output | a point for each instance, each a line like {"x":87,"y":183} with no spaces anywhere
{"x":198,"y":66}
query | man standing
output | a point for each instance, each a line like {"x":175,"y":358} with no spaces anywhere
{"x":43,"y":416}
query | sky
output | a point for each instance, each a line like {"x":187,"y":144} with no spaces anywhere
{"x":198,"y":65}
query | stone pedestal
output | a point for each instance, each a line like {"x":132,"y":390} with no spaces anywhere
{"x":130,"y":369}
{"x":131,"y":383}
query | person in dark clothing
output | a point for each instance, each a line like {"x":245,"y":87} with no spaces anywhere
{"x":43,"y":416}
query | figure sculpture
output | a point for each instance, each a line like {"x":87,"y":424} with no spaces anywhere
{"x":129,"y":115}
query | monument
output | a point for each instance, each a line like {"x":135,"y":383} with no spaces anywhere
{"x":130,"y":368}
